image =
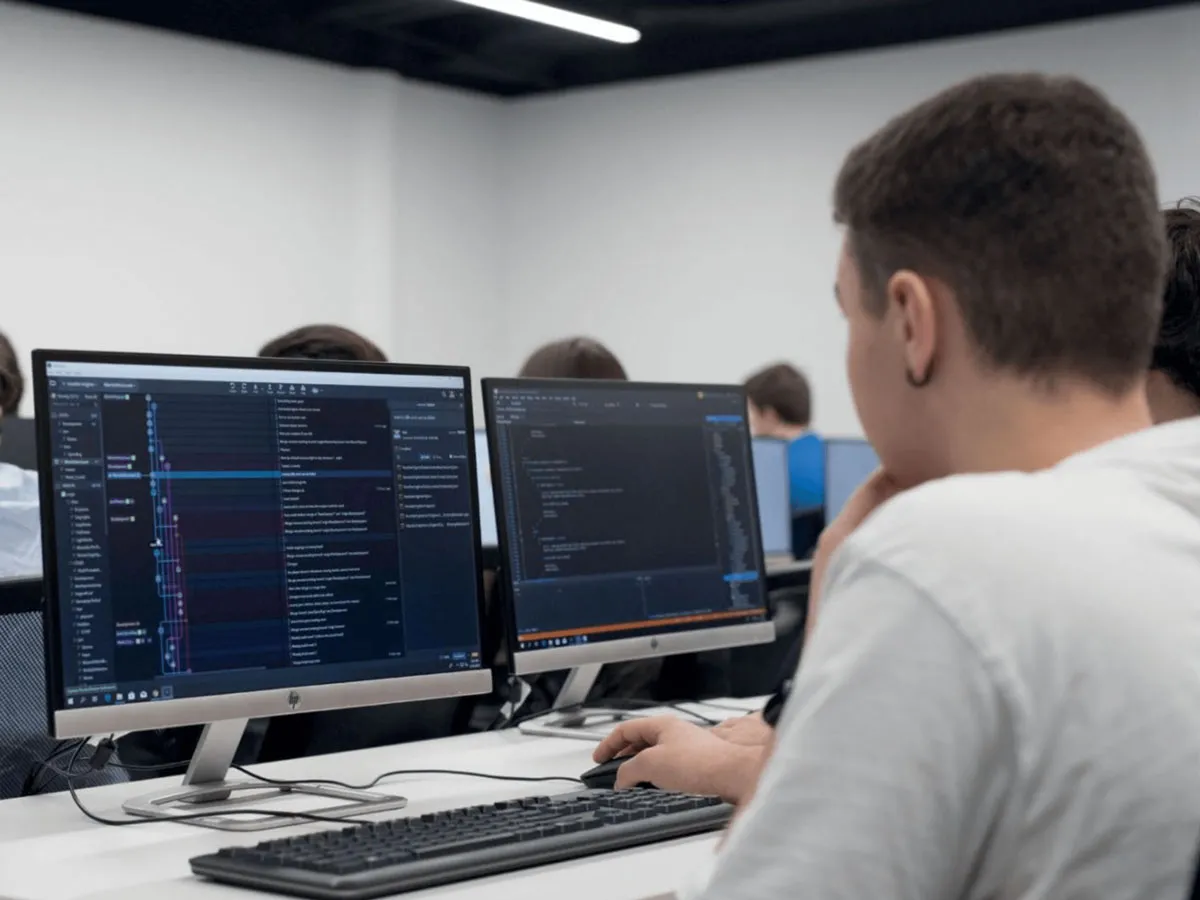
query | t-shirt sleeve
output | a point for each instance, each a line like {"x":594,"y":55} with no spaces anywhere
{"x":892,"y":757}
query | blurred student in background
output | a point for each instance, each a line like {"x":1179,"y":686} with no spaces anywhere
{"x":20,"y":526}
{"x":331,"y":342}
{"x":781,"y":407}
{"x":577,"y":357}
{"x":1173,"y":387}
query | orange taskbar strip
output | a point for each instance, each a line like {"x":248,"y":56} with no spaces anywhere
{"x":650,"y":623}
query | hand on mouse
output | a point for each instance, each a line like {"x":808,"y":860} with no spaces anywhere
{"x":749,"y":731}
{"x":677,"y":756}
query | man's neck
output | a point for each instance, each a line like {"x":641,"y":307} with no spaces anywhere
{"x":1023,"y":433}
{"x":791,"y":432}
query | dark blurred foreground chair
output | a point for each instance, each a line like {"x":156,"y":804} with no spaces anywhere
{"x":24,"y":735}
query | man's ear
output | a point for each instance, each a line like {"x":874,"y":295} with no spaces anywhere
{"x":910,"y":301}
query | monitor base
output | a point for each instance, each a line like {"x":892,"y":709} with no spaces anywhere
{"x":569,"y":717}
{"x":205,"y":789}
{"x":220,"y":797}
{"x":577,"y":724}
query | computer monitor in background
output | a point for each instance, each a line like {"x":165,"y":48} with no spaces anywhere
{"x":848,"y":463}
{"x":774,"y":498}
{"x":628,"y":526}
{"x":227,"y":539}
{"x":487,"y":502}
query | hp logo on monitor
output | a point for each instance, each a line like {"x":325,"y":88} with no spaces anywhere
{"x":294,"y":700}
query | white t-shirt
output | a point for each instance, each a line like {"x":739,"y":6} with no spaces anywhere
{"x":1002,"y":698}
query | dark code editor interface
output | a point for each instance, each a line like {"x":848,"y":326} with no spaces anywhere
{"x":224,"y":530}
{"x":628,"y":510}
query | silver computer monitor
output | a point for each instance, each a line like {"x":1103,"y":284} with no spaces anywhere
{"x":487,"y":501}
{"x":628,"y":521}
{"x":228,"y":538}
{"x":774,"y":495}
{"x":848,"y":463}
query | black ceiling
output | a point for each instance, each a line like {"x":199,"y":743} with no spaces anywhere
{"x":450,"y":43}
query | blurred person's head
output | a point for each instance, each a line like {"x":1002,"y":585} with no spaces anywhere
{"x":780,"y":402}
{"x":1001,"y":275}
{"x":1173,"y":385}
{"x":574,"y":358}
{"x":323,"y":342}
{"x":12,"y":381}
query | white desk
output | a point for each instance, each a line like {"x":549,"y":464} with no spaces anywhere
{"x":49,"y":851}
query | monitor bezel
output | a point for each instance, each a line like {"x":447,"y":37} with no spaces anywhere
{"x":531,"y":662}
{"x":64,"y":722}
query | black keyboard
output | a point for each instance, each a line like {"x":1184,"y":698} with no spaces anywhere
{"x":400,"y":855}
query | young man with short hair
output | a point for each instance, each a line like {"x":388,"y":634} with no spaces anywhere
{"x":780,"y":406}
{"x":1001,"y":697}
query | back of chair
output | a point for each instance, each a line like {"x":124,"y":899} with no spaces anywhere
{"x":24,"y":742}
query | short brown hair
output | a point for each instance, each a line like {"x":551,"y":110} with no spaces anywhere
{"x":12,"y":382}
{"x":1177,"y":351}
{"x":1034,"y":199}
{"x":323,"y":342}
{"x":574,"y":358}
{"x":783,"y":388}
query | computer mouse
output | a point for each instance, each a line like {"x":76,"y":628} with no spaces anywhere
{"x":604,"y":776}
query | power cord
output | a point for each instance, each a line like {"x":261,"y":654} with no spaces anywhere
{"x":399,"y":773}
{"x":35,"y":781}
{"x":105,"y":750}
{"x":102,"y":757}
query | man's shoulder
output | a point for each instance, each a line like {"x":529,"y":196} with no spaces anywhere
{"x":953,"y":506}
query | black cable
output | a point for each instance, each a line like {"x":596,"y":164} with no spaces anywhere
{"x":331,"y":782}
{"x":36,"y":781}
{"x":195,"y":817}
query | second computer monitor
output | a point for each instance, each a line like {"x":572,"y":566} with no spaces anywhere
{"x":487,"y":502}
{"x":848,"y":463}
{"x":628,"y":522}
{"x":774,"y":497}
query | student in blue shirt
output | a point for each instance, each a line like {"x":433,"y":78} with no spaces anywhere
{"x":781,"y":407}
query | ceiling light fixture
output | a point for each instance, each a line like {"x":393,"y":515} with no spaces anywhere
{"x":561,"y":18}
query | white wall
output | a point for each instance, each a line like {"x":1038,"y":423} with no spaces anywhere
{"x":162,"y":192}
{"x":165,"y":193}
{"x":686,"y":222}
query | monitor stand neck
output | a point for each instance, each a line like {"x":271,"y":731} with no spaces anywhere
{"x":569,"y":717}
{"x":206,"y":789}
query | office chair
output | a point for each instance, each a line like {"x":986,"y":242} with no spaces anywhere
{"x":24,"y":742}
{"x":807,"y":525}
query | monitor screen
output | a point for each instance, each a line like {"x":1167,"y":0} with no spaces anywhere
{"x":627,"y":510}
{"x":774,"y":498}
{"x":218,"y":527}
{"x":487,"y":502}
{"x":848,"y":463}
